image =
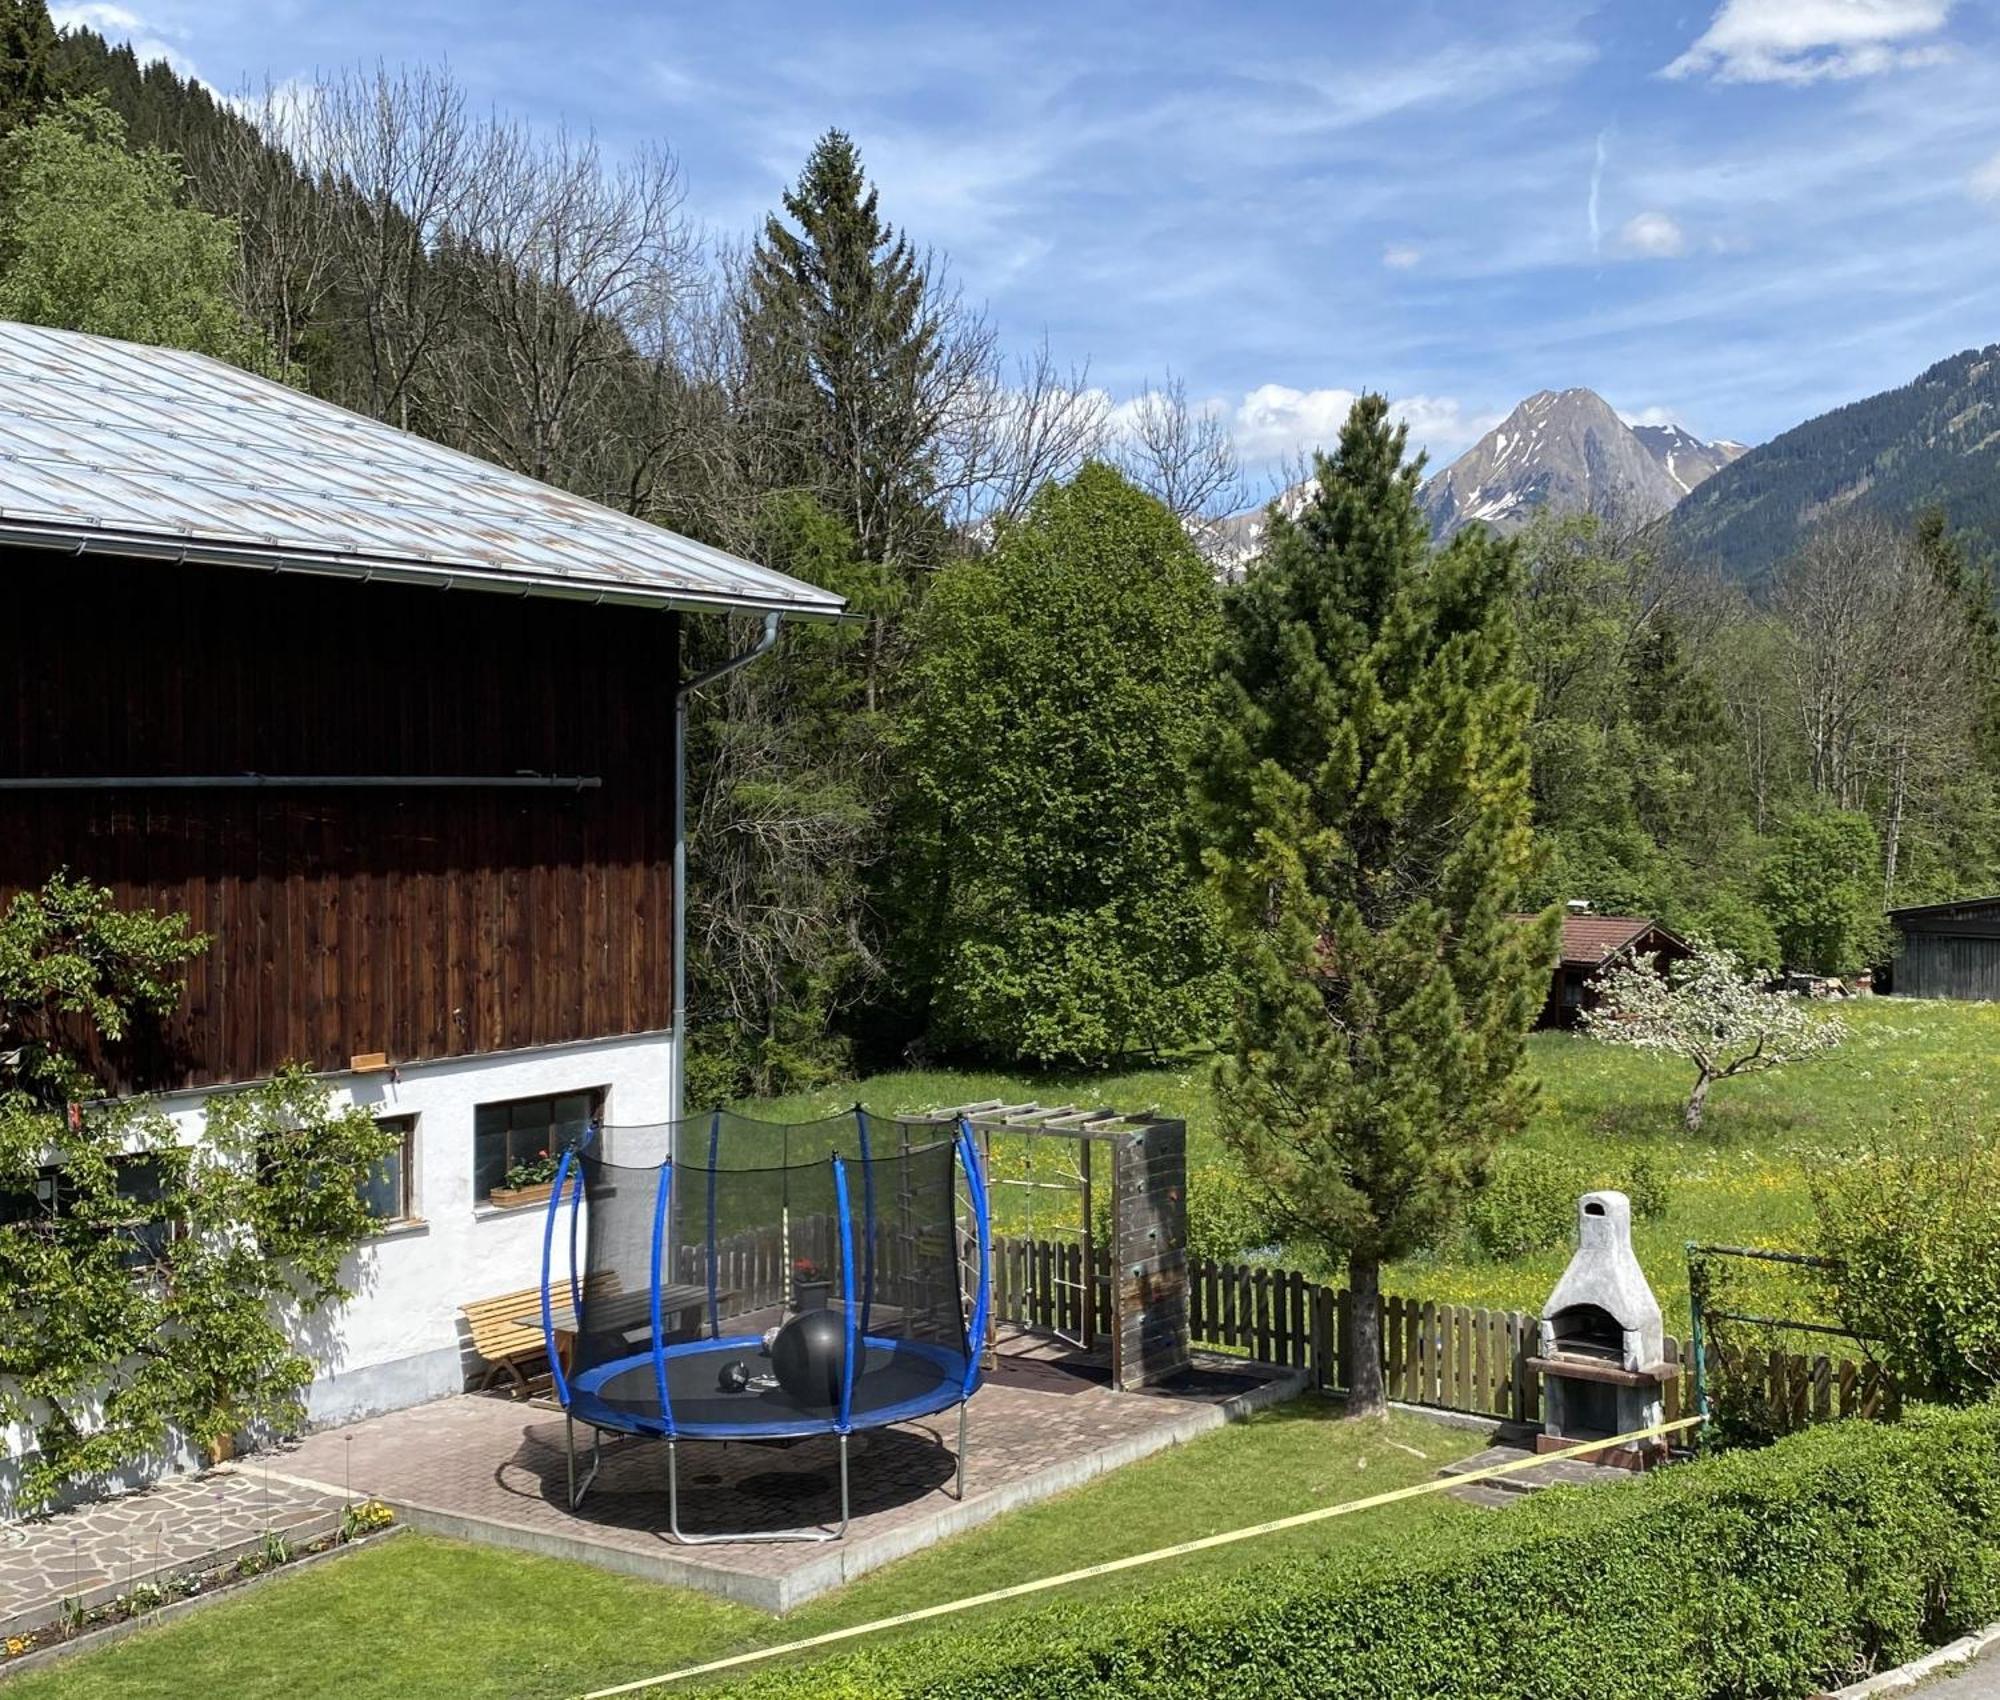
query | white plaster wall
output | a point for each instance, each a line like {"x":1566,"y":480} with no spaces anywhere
{"x":396,"y":1342}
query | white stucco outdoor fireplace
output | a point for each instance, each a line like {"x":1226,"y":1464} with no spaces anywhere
{"x":1603,"y":1345}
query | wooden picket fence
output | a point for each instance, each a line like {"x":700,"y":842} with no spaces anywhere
{"x":1451,"y":1357}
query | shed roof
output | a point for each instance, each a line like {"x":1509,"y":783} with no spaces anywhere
{"x":1590,"y":941}
{"x":154,"y":452}
{"x":1957,"y":906}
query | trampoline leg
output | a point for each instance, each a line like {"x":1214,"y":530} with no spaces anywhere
{"x":680,"y":1537}
{"x":961,"y":1448}
{"x":576,"y":1493}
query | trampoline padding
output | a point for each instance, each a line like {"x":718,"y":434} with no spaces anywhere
{"x":895,"y":1381}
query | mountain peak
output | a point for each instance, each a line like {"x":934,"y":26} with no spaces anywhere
{"x":1569,"y":450}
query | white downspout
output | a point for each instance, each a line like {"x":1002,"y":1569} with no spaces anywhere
{"x":677,"y":1040}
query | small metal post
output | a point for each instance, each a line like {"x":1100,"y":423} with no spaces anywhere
{"x":962,"y":1405}
{"x":1087,"y":1332}
{"x":1696,"y":1345}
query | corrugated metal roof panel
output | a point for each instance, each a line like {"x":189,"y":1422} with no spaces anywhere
{"x":153,"y":451}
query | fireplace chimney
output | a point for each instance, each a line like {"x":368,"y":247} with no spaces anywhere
{"x":1603,"y":1344}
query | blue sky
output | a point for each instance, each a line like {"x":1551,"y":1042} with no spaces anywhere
{"x":1732,"y":213}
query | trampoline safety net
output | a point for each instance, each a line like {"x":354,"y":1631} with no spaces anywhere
{"x":777,"y":1280}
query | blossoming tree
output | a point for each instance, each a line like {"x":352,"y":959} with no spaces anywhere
{"x":1709,"y":1011}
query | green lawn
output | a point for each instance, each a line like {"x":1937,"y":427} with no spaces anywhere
{"x":424,"y":1616}
{"x":1741,"y":1181}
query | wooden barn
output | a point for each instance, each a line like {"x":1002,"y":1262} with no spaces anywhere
{"x":1590,"y":944}
{"x":398,"y":728}
{"x":1947,"y":950}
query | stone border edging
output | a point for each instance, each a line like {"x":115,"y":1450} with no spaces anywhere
{"x":106,"y":1634}
{"x":1934,"y":1663}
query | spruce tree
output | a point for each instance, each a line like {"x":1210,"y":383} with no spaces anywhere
{"x":1365,"y":813}
{"x":843,"y":338}
{"x":27,"y":83}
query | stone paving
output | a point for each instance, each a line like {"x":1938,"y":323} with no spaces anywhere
{"x":95,"y":1552}
{"x":491,"y":1469}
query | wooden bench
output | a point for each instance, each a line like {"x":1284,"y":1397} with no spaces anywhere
{"x":507,"y":1328}
{"x":501,"y":1334}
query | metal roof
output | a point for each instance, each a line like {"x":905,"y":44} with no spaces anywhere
{"x":1956,"y":905}
{"x":154,"y":452}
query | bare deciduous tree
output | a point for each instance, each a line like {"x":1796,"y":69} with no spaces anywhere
{"x":573,"y":268}
{"x":1182,"y":454}
{"x":1872,"y":659}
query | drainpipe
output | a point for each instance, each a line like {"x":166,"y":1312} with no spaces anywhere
{"x":677,"y":1043}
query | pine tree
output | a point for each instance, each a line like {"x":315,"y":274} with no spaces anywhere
{"x":1062,"y":688}
{"x":1366,"y":816}
{"x":27,"y":82}
{"x":844,"y":338}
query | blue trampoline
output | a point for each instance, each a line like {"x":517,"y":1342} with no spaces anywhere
{"x":731,"y":1279}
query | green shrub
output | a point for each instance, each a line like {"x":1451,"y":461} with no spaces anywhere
{"x":1767,"y":1573}
{"x":1225,"y":1221}
{"x":1914,"y":1224}
{"x":1649,"y":1187}
{"x":1527,"y":1205}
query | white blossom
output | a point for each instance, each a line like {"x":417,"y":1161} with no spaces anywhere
{"x":1709,"y":1011}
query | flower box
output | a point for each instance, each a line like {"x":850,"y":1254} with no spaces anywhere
{"x":520,"y":1197}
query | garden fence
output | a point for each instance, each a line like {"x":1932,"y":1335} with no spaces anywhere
{"x":1450,"y":1357}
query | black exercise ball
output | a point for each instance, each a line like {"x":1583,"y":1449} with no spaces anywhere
{"x":809,"y":1357}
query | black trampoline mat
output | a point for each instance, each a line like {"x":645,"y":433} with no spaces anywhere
{"x":889,"y":1377}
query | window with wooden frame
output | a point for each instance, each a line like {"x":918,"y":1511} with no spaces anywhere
{"x":518,"y":1143}
{"x":389,"y":1188}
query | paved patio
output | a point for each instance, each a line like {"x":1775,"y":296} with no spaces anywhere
{"x":96,"y":1552}
{"x":490,"y":1469}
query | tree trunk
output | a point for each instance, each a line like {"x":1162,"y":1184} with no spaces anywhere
{"x":1691,"y":1116}
{"x":1893,"y":838}
{"x":1364,"y":1357}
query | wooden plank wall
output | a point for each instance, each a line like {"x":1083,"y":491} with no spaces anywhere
{"x":1149,"y":1320}
{"x":420,"y":923}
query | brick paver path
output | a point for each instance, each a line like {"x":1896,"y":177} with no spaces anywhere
{"x":487,"y":1467}
{"x":98,"y":1551}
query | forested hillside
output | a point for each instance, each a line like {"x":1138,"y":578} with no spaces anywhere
{"x":1933,"y":443}
{"x":961,"y":825}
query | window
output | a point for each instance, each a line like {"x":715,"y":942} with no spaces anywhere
{"x":139,"y":1182}
{"x":388,"y":1189}
{"x":526,"y":1133}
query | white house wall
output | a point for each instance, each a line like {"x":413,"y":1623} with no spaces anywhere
{"x":397,"y":1342}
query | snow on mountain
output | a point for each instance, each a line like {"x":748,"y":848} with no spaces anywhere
{"x":1565,"y":449}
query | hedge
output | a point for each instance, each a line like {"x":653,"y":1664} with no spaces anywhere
{"x":1755,"y":1574}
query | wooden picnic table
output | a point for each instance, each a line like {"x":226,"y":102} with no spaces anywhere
{"x":620,"y":1313}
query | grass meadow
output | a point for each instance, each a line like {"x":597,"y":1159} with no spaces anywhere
{"x":1607,"y":1116}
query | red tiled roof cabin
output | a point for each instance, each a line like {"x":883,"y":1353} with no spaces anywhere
{"x":1590,"y":944}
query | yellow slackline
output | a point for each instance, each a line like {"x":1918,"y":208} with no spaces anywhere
{"x":1112,"y":1566}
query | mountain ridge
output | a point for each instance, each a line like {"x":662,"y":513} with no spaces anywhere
{"x":1933,"y":442}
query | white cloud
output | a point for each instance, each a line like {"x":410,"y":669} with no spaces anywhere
{"x":120,"y":23}
{"x":1401,"y":256}
{"x":1984,"y":184}
{"x":1653,"y":236}
{"x":1803,"y":41}
{"x":1275,"y":422}
{"x":1654,"y":415}
{"x":106,"y":20}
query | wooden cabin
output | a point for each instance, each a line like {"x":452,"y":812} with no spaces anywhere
{"x":397,"y":728}
{"x":1590,"y":944}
